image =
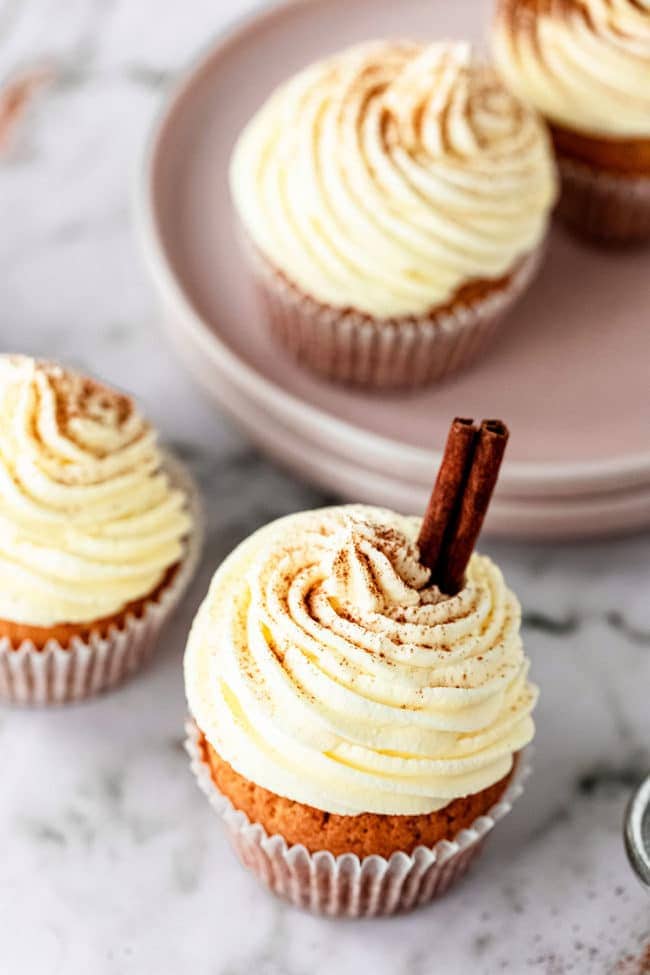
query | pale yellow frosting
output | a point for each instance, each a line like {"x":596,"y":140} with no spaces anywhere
{"x":388,"y":176}
{"x":585,"y":64}
{"x":88,"y":519}
{"x":323,"y":667}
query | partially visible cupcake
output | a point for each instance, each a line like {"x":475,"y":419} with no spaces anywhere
{"x":97,"y":534}
{"x":393,"y":199}
{"x":585,"y":65}
{"x":359,"y":731}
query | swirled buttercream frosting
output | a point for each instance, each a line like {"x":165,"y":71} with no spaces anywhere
{"x":385,"y":178}
{"x":88,"y":519}
{"x":585,"y":64}
{"x":323,"y":666}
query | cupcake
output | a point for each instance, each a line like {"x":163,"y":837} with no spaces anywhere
{"x":98,"y":537}
{"x":358,"y":730}
{"x":392,"y":201}
{"x":585,"y":65}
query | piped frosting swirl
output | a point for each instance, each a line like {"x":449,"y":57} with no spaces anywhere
{"x":390,"y":175}
{"x":88,"y":519}
{"x":324,"y":667}
{"x":585,"y":64}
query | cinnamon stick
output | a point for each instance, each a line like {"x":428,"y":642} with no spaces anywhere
{"x":440,"y":516}
{"x":481,"y":480}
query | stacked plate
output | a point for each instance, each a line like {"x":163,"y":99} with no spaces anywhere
{"x":569,"y":374}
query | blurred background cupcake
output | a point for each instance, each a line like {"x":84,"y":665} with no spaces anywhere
{"x":394,"y":199}
{"x":98,"y":537}
{"x":585,"y":65}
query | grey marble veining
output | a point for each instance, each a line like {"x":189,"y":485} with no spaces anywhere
{"x":112,"y":862}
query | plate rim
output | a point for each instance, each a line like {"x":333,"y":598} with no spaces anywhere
{"x":511,"y":519}
{"x":517,"y":475}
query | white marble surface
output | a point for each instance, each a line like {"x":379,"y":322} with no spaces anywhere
{"x":111,"y":860}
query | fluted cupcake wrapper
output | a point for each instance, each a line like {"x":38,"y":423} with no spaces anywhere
{"x":347,"y":346}
{"x":58,"y":675}
{"x":345,"y":885}
{"x":602,"y":206}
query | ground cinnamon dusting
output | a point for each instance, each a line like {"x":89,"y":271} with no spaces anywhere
{"x":635,"y":964}
{"x":15,"y":98}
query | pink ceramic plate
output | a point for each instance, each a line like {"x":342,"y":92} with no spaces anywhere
{"x":555,"y":518}
{"x":569,"y":373}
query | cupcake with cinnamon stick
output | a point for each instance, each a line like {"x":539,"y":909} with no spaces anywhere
{"x":359,"y":695}
{"x":585,"y":65}
{"x":394,"y":199}
{"x":98,"y":534}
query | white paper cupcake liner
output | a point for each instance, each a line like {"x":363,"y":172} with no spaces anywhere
{"x":60,"y":675}
{"x":602,"y":206}
{"x":347,"y":346}
{"x":345,"y":885}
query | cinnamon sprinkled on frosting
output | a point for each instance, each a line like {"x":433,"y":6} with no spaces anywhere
{"x":325,"y":667}
{"x":584,"y":64}
{"x":388,"y":176}
{"x":88,"y":520}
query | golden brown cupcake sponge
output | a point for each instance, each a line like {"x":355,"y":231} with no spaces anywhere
{"x":363,"y":834}
{"x":64,"y":633}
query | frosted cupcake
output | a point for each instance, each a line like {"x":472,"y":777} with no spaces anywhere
{"x":97,"y":540}
{"x":394,"y":199}
{"x":358,"y":730}
{"x":585,"y":65}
